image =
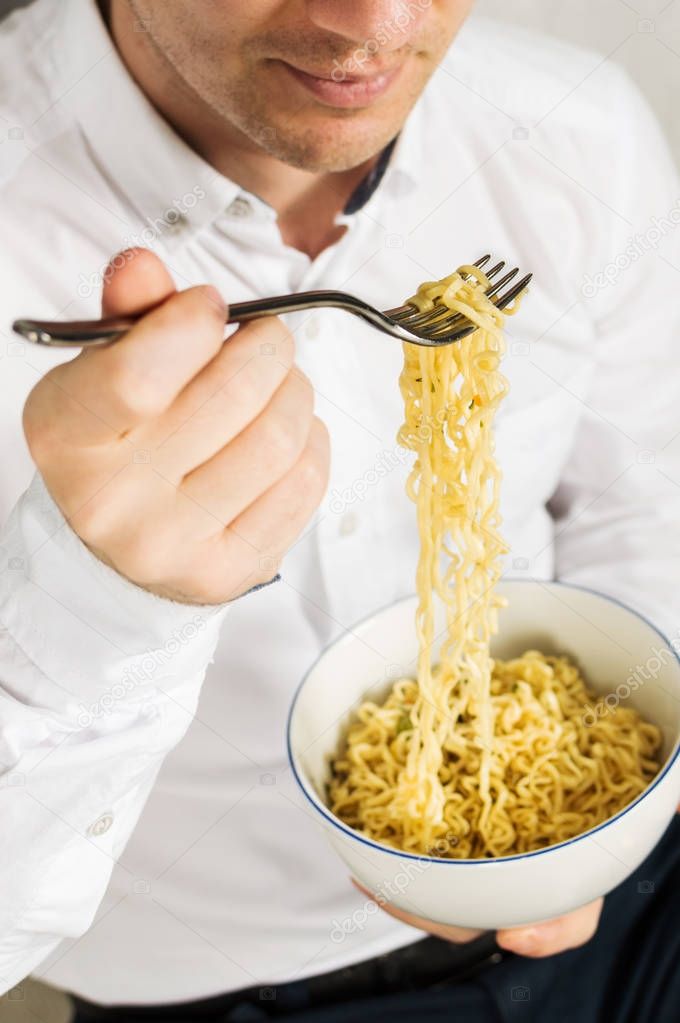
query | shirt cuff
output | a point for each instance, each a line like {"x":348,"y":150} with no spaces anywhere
{"x":87,"y":628}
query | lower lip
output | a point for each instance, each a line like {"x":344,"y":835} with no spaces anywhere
{"x":344,"y":94}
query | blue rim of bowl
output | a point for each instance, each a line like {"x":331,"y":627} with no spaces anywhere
{"x":318,"y":805}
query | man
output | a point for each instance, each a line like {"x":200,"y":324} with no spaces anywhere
{"x":227,"y":151}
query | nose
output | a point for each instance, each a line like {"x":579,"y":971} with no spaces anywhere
{"x":388,"y":24}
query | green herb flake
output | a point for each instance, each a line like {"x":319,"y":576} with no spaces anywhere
{"x":404,"y":724}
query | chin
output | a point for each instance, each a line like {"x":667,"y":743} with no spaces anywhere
{"x":332,"y":148}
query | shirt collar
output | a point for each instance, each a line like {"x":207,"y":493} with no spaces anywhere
{"x":398,"y":171}
{"x":165,"y":180}
{"x":144,"y":158}
{"x":405,"y":169}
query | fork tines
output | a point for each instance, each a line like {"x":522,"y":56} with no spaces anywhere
{"x":440,"y":323}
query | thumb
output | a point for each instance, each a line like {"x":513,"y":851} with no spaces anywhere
{"x":78,"y":403}
{"x":134,"y":282}
{"x":553,"y":936}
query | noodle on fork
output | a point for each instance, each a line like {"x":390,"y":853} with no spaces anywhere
{"x":476,"y":757}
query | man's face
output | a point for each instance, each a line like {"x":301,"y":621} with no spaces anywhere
{"x":319,"y":84}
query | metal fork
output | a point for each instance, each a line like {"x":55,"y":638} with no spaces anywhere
{"x":440,"y":326}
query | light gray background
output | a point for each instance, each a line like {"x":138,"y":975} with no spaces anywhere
{"x":642,"y":35}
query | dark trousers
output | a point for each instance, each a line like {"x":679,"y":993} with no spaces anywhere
{"x":628,"y":973}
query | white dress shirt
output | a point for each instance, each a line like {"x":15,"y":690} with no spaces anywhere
{"x":153,"y":845}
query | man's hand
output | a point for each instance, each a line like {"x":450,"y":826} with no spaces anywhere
{"x":553,"y":936}
{"x":188,"y":465}
{"x":535,"y":940}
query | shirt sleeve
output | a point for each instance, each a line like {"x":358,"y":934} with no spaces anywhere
{"x":617,"y":508}
{"x":99,"y":680}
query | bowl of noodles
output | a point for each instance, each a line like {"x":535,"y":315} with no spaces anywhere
{"x":589,"y":773}
{"x":483,"y":754}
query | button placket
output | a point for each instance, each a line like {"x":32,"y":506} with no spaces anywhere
{"x":344,"y":532}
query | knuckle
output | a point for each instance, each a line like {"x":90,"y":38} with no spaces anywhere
{"x":312,"y":478}
{"x":199,"y":313}
{"x":282,"y":439}
{"x":320,"y":436}
{"x":285,"y":433}
{"x":250,"y":388}
{"x":302,"y":383}
{"x":273,"y":337}
{"x":135,"y":395}
{"x":314,"y":463}
{"x":300,"y":392}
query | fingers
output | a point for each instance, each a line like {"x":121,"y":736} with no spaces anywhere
{"x":261,"y":455}
{"x":226,"y":395}
{"x":537,"y":940}
{"x":151,"y":364}
{"x":457,"y":935}
{"x":546,"y":939}
{"x":134,"y":281}
{"x":110,"y":390}
{"x":232,"y":462}
{"x":261,"y":535}
{"x":249,"y":550}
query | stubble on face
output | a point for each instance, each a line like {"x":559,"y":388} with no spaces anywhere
{"x":233,"y":64}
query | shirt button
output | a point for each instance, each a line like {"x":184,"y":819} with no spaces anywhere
{"x":240,"y":207}
{"x":101,"y":825}
{"x":312,"y":328}
{"x":348,"y":524}
{"x":174,"y":221}
{"x":397,"y":182}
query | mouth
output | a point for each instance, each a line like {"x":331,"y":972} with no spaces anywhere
{"x":346,"y":91}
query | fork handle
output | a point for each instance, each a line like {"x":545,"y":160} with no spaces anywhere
{"x":87,"y":333}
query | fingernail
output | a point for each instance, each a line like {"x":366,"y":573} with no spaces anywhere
{"x":213,"y":294}
{"x":523,"y":941}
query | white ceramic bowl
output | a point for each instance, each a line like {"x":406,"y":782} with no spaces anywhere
{"x":613,"y":645}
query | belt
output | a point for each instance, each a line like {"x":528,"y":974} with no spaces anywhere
{"x":427,"y":963}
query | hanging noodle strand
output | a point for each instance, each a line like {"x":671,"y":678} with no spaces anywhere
{"x":477,"y":758}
